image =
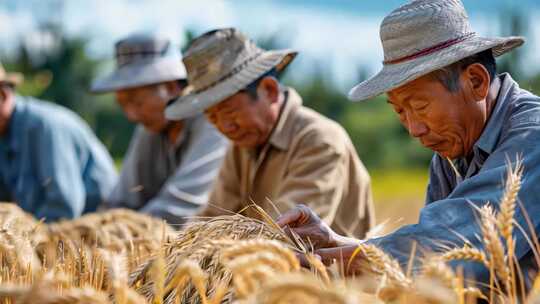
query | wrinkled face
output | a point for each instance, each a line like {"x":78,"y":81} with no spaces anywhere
{"x":443,"y":121}
{"x":245,"y":121}
{"x":145,"y":105}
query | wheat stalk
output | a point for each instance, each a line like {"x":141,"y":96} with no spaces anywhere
{"x":435,"y":268}
{"x":379,"y":262}
{"x":494,"y":246}
{"x":508,"y":202}
{"x":466,"y":253}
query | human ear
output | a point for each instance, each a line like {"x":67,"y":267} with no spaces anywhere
{"x":476,"y":81}
{"x":268,"y":89}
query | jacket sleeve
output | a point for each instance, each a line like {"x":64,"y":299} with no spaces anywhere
{"x":316,"y":175}
{"x":185,"y":192}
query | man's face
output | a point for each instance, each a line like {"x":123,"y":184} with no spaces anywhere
{"x":443,"y":121}
{"x":145,"y":105}
{"x":245,"y":121}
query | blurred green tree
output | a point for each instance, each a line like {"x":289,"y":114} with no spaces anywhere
{"x":513,"y":22}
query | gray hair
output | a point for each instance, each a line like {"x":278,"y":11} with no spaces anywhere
{"x":449,"y":75}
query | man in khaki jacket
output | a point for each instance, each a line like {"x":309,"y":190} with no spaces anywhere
{"x":284,"y":154}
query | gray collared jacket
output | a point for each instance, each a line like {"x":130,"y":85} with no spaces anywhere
{"x":168,"y":180}
{"x":449,"y":217}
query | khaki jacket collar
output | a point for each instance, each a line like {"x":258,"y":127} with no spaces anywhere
{"x":284,"y":130}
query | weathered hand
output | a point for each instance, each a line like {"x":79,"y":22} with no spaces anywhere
{"x":308,"y":226}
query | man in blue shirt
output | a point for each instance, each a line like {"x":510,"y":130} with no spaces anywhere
{"x":51,"y":163}
{"x":440,"y":78}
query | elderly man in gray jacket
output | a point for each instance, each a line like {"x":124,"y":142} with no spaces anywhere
{"x":169,"y":166}
{"x":441,"y":79}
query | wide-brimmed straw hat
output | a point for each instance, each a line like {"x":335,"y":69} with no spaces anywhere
{"x":424,"y":36}
{"x":220,"y":63}
{"x":142,"y":59}
{"x":10,"y":78}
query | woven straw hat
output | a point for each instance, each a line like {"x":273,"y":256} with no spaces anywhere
{"x":424,"y":36}
{"x":11,"y":78}
{"x":142,"y":59}
{"x":220,"y":63}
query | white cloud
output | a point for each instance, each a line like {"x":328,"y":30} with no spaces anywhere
{"x":107,"y":21}
{"x":14,"y":25}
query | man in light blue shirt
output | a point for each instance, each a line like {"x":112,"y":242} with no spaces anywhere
{"x":51,"y":163}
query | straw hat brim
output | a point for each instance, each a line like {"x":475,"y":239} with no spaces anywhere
{"x":13,"y":78}
{"x":141,"y":73}
{"x":194,"y":103}
{"x":395,"y":75}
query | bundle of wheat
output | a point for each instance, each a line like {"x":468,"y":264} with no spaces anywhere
{"x":234,"y":259}
{"x":112,"y":229}
{"x":135,"y":234}
{"x":20,"y":220}
{"x":29,"y":248}
{"x":51,"y":289}
{"x":18,"y":258}
{"x":252,"y":262}
{"x":306,"y":288}
{"x":202,"y":242}
{"x":20,"y":223}
{"x":19,"y":234}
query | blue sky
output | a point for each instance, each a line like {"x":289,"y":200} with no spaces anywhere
{"x":340,"y":35}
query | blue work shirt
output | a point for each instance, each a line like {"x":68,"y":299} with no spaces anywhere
{"x":51,"y":163}
{"x":449,"y":216}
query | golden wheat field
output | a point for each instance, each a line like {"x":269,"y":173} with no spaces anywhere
{"x":121,"y":256}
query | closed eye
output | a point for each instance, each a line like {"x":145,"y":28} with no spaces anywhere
{"x":420,"y":107}
{"x":418,"y":104}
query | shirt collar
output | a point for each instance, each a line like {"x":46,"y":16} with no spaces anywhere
{"x":283,"y":132}
{"x":490,"y":136}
